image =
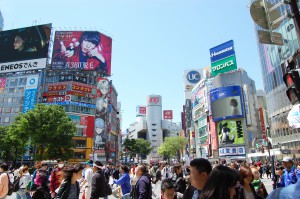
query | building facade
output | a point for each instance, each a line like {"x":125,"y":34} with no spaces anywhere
{"x":272,"y":58}
{"x":1,"y":21}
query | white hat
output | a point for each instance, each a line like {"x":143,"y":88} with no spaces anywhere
{"x":287,"y":159}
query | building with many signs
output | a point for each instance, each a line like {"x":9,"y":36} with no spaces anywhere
{"x":154,"y":125}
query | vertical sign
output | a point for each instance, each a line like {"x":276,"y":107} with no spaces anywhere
{"x":262,"y":122}
{"x":2,"y":84}
{"x":246,"y":103}
{"x":30,"y":93}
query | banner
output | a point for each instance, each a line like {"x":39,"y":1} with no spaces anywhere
{"x":2,"y":84}
{"x":82,"y":50}
{"x":230,"y":132}
{"x":226,"y":103}
{"x":24,"y":48}
{"x":30,"y":93}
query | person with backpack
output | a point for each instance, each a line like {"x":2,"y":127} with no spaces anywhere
{"x":4,"y":181}
{"x":24,"y":180}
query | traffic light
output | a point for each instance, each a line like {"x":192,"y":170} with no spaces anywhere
{"x":292,"y":81}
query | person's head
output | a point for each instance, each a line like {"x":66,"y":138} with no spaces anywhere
{"x":97,"y":166}
{"x":38,"y":165}
{"x":102,"y":85}
{"x":89,"y":40}
{"x":72,"y":172}
{"x":246,"y":175}
{"x":41,"y":178}
{"x":60,"y":163}
{"x":232,"y":165}
{"x":177,"y":168}
{"x":3,"y":167}
{"x":44,"y":166}
{"x":255,"y":172}
{"x":89,"y":164}
{"x":287,"y":162}
{"x":200,"y":168}
{"x":221,"y":183}
{"x":167,"y":189}
{"x":233,"y":103}
{"x":25,"y":169}
{"x":124,"y":169}
{"x":140,"y":170}
{"x":19,"y":42}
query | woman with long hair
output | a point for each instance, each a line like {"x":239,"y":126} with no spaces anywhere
{"x":42,"y":191}
{"x":221,"y":183}
{"x":69,"y":188}
{"x":178,"y":180}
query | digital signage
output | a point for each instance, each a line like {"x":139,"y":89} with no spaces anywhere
{"x":231,"y":132}
{"x":24,"y":48}
{"x":226,"y":103}
{"x":82,"y":50}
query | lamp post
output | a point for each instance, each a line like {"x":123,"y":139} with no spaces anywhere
{"x":272,"y":159}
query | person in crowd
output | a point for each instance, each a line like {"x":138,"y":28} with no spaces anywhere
{"x":278,"y":173}
{"x":87,"y":182}
{"x":289,"y":192}
{"x":124,"y":181}
{"x":157,"y":180}
{"x":166,"y":172}
{"x":200,"y":169}
{"x":116,"y":173}
{"x":258,"y":184}
{"x":268,"y":170}
{"x":289,"y":174}
{"x":4,"y":179}
{"x":99,"y":182}
{"x":25,"y":179}
{"x":37,"y":166}
{"x":143,"y":188}
{"x":168,"y":190}
{"x":178,"y":180}
{"x":42,"y":191}
{"x":221,"y":183}
{"x":245,"y":189}
{"x":232,"y":165}
{"x":107,"y":172}
{"x":55,"y":177}
{"x":69,"y":187}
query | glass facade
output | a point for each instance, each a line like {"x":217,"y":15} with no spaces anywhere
{"x":1,"y":21}
{"x":272,"y":59}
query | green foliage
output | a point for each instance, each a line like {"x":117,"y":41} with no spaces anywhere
{"x":137,"y":147}
{"x":171,"y":147}
{"x":49,"y":129}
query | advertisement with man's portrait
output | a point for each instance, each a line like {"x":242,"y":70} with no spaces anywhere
{"x":82,"y":50}
{"x":24,"y":48}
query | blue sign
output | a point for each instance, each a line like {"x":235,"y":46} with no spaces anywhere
{"x":73,"y":103}
{"x":193,"y":77}
{"x":226,"y":103}
{"x":232,"y":151}
{"x":29,"y":99}
{"x":222,"y":51}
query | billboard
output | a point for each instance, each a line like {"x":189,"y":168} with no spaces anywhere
{"x":24,"y":48}
{"x":230,"y":132}
{"x":141,"y":110}
{"x":82,"y":50}
{"x":2,"y":84}
{"x":30,"y":93}
{"x":226,"y":103}
{"x":168,"y":114}
{"x":191,"y":78}
{"x":222,"y":58}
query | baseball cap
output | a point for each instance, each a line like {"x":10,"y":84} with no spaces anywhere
{"x":287,"y":159}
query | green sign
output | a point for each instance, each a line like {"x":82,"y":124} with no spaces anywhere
{"x":223,"y":65}
{"x":230,"y":132}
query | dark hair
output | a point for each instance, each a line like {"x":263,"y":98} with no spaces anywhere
{"x":244,"y":173}
{"x":201,"y":165}
{"x":167,"y":184}
{"x":233,"y":103}
{"x":58,"y":160}
{"x":70,"y":169}
{"x":99,"y":164}
{"x":219,"y":181}
{"x":44,"y":164}
{"x":91,"y":36}
{"x":41,"y":178}
{"x":125,"y":168}
{"x":4,"y":166}
{"x":142,"y":168}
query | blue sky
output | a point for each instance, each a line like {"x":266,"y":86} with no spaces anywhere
{"x":154,"y":41}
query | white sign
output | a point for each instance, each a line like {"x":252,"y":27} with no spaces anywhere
{"x":32,"y":64}
{"x":32,"y":82}
{"x":294,"y":117}
{"x":246,"y":104}
{"x":230,"y":151}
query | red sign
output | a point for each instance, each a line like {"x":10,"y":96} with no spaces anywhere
{"x":153,"y":100}
{"x":59,"y":87}
{"x":142,"y":110}
{"x":54,"y":93}
{"x":168,"y":114}
{"x":77,"y":87}
{"x":56,"y":99}
{"x":262,"y":122}
{"x":83,"y":120}
{"x":90,"y":126}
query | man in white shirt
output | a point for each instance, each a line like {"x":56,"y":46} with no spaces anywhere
{"x":166,"y":172}
{"x":88,"y":179}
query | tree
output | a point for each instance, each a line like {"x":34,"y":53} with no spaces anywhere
{"x":172,"y":146}
{"x":50,"y":130}
{"x":12,"y":146}
{"x":138,"y":147}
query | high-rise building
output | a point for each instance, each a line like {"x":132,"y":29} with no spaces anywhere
{"x":1,"y":21}
{"x":272,"y":58}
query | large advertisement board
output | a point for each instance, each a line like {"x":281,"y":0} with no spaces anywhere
{"x":82,"y":50}
{"x":24,"y":48}
{"x":230,"y":132}
{"x":222,"y":58}
{"x":226,"y":103}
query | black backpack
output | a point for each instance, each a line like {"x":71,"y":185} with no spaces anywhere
{"x":16,"y":184}
{"x":10,"y":186}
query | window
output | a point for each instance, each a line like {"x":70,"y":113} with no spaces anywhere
{"x":8,"y":110}
{"x":21,"y":90}
{"x":1,"y":100}
{"x":17,"y":109}
{"x":13,"y":82}
{"x":11,"y":90}
{"x":22,"y":81}
{"x":9,"y":100}
{"x":6,"y":120}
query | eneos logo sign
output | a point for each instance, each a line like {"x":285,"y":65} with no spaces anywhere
{"x":193,"y":77}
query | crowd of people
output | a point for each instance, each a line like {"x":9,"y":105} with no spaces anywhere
{"x":198,"y":180}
